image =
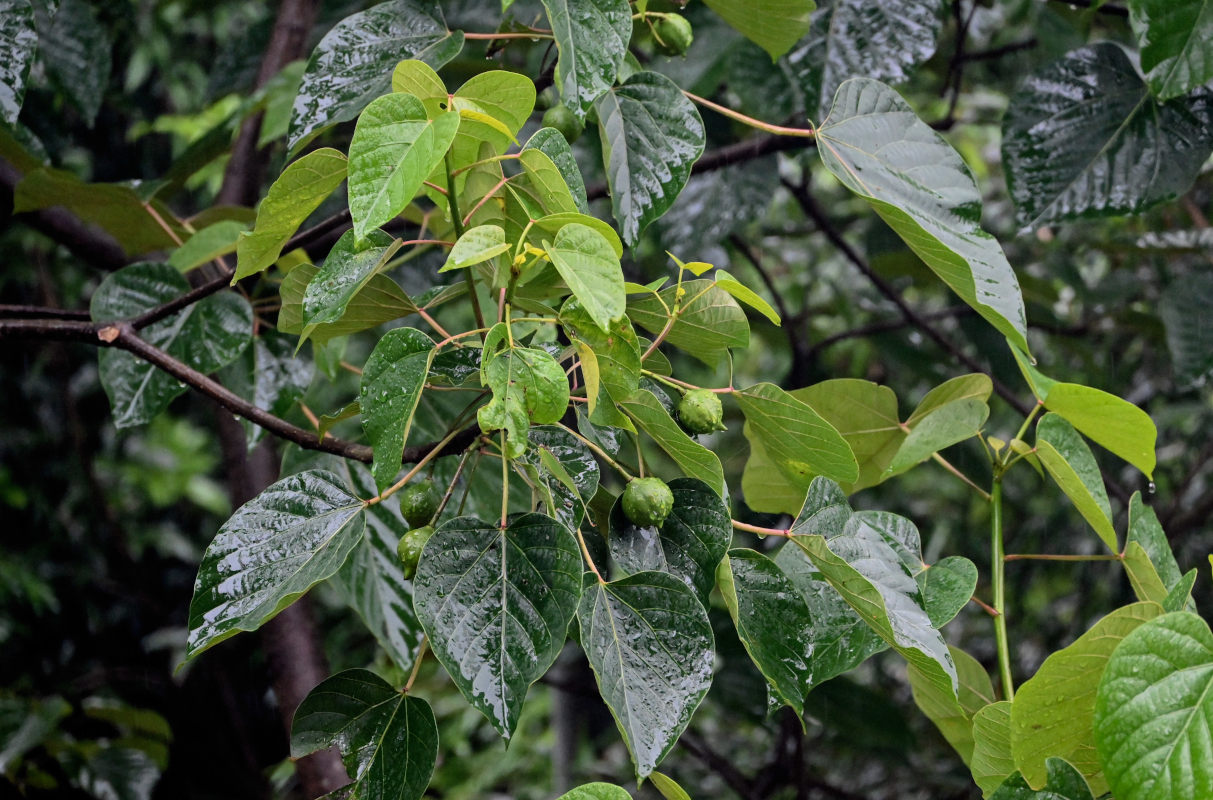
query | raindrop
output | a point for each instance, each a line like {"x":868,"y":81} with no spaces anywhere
{"x":1151,"y":488}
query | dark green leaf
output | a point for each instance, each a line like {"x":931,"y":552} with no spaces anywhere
{"x":206,"y":336}
{"x":1069,"y":461}
{"x":592,"y":38}
{"x":394,"y":149}
{"x":568,"y":453}
{"x":297,"y":192}
{"x":651,"y":135}
{"x":1190,"y":340}
{"x":709,"y":323}
{"x":391,"y":385}
{"x":773,"y":623}
{"x":800,"y":443}
{"x":773,"y":25}
{"x":380,"y":300}
{"x":496,"y":603}
{"x":18,"y":42}
{"x":1174,"y":37}
{"x":1054,"y":712}
{"x":884,"y":41}
{"x":353,"y":63}
{"x":371,"y":579}
{"x":346,"y":270}
{"x":878,"y":148}
{"x":1065,"y":783}
{"x":946,"y":587}
{"x":76,"y":53}
{"x":278,"y":545}
{"x":388,"y":740}
{"x":691,"y":457}
{"x":270,"y":375}
{"x":650,"y":644}
{"x":688,"y":545}
{"x":1083,"y":138}
{"x":1152,"y":711}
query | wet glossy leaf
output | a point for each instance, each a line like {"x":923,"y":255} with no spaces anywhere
{"x":292,"y":198}
{"x":884,"y":41}
{"x":1065,"y":783}
{"x":1190,"y":340}
{"x":800,"y":443}
{"x":371,"y":580}
{"x":773,"y":25}
{"x":691,"y":457}
{"x":394,"y":149}
{"x":688,"y":545}
{"x":552,"y":143}
{"x":278,"y":545}
{"x":1069,"y":462}
{"x":493,"y":107}
{"x":206,"y":336}
{"x":552,"y":450}
{"x":616,"y":360}
{"x":1147,"y":536}
{"x":390,"y":388}
{"x":1151,"y":711}
{"x":528,"y":386}
{"x":76,"y":54}
{"x":388,"y":740}
{"x":18,"y":42}
{"x":863,"y":564}
{"x":709,"y":324}
{"x":346,"y":270}
{"x":269,"y":374}
{"x":496,"y":603}
{"x":650,"y":644}
{"x":115,"y":207}
{"x":946,"y":586}
{"x":1083,"y":138}
{"x":588,"y":264}
{"x":651,"y":135}
{"x":208,"y":244}
{"x":878,"y":148}
{"x":592,"y":39}
{"x":380,"y":300}
{"x":353,"y":63}
{"x":992,"y":763}
{"x":773,"y":623}
{"x":953,"y":713}
{"x":1054,"y":712}
{"x":1174,"y":37}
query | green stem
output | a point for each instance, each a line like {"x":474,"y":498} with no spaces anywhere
{"x":998,"y":571}
{"x":457,"y":221}
{"x":1023,"y":429}
{"x":1048,"y":557}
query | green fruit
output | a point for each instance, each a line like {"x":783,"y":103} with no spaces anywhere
{"x":409,"y":549}
{"x":560,"y":118}
{"x":699,"y":411}
{"x":673,"y":34}
{"x":419,"y":502}
{"x":647,"y":501}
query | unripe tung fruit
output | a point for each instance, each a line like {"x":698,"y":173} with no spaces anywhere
{"x":647,"y":501}
{"x":560,"y":118}
{"x":673,"y":34}
{"x":699,"y":411}
{"x":419,"y":502}
{"x":409,"y":549}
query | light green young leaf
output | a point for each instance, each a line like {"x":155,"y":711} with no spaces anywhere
{"x":746,"y":295}
{"x":394,"y":149}
{"x":476,"y":245}
{"x":945,"y":426}
{"x":278,"y":545}
{"x":1069,"y":462}
{"x":552,"y":223}
{"x":1054,"y":711}
{"x":953,"y":713}
{"x":588,"y":264}
{"x":878,"y":148}
{"x":709,"y":323}
{"x":992,"y":763}
{"x":596,"y":791}
{"x":592,"y":39}
{"x":297,"y":192}
{"x":801,"y":443}
{"x":544,"y":184}
{"x":528,"y":386}
{"x":668,"y":787}
{"x":380,"y":300}
{"x":552,"y":143}
{"x":773,"y":25}
{"x":208,"y":244}
{"x":1151,"y":711}
{"x":610,"y":361}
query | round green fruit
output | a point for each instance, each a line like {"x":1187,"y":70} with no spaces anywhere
{"x":673,"y":34}
{"x":409,"y":549}
{"x":647,"y":501}
{"x":419,"y":502}
{"x":699,"y":411}
{"x":560,"y":118}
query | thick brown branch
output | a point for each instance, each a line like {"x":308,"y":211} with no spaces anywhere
{"x":817,"y":214}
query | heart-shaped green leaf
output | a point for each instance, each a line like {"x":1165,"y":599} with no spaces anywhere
{"x":589,"y":266}
{"x":390,"y":389}
{"x":650,"y":644}
{"x":276,"y":546}
{"x":1174,"y":39}
{"x":495,"y":603}
{"x":388,"y":740}
{"x":773,"y":25}
{"x":592,"y":39}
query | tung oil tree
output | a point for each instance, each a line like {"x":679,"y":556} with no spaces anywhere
{"x":549,"y":419}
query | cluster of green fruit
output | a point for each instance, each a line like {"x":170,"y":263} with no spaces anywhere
{"x":418,"y":505}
